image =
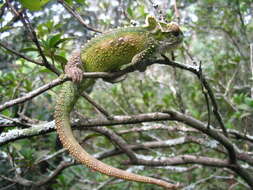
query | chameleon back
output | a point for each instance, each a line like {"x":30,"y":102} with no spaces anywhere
{"x":113,"y":49}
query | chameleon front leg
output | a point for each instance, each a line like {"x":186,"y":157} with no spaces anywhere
{"x":141,"y":57}
{"x":138,"y":60}
{"x":73,"y":69}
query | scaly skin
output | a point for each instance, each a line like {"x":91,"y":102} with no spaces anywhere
{"x":108,"y":52}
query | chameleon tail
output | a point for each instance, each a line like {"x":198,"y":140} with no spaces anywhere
{"x":65,"y":103}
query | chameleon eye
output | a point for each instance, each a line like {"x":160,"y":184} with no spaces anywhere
{"x":175,"y":33}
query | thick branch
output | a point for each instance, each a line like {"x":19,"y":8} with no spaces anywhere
{"x":33,"y":93}
{"x":133,"y":119}
{"x":61,"y":79}
{"x":183,"y":159}
{"x":156,"y":116}
{"x":117,"y":140}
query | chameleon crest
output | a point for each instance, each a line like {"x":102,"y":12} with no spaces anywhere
{"x":106,"y":53}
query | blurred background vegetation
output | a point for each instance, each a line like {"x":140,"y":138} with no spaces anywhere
{"x":217,"y":35}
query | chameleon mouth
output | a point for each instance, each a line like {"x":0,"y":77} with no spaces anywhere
{"x":169,"y":45}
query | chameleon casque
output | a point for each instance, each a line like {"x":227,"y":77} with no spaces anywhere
{"x":104,"y":53}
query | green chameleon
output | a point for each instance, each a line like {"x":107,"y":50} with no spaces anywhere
{"x":104,"y":53}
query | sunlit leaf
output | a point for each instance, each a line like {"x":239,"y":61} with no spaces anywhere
{"x":34,"y":5}
{"x":30,"y":49}
{"x":60,"y":59}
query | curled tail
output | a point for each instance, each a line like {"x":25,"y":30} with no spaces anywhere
{"x":65,"y":103}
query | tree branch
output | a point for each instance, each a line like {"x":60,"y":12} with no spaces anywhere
{"x":200,"y":75}
{"x":77,"y":16}
{"x":33,"y":93}
{"x":24,"y":19}
{"x":156,"y":116}
{"x":19,"y":54}
{"x":118,"y":140}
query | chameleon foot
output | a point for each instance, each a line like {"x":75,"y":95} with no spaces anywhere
{"x":73,"y":68}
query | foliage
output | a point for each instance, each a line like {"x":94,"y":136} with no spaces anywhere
{"x":217,"y":34}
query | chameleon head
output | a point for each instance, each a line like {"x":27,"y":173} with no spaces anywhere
{"x":166,"y":35}
{"x":170,"y":35}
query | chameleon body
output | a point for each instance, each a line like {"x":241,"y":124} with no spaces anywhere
{"x":104,"y":53}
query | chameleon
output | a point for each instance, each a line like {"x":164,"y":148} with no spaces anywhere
{"x":109,"y":52}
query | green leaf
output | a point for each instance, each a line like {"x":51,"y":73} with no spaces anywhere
{"x":56,"y":40}
{"x":130,"y":12}
{"x":80,"y":1}
{"x":62,"y":40}
{"x":70,"y":2}
{"x":53,"y":40}
{"x":60,"y":59}
{"x":5,"y":28}
{"x":17,"y":146}
{"x":29,"y":50}
{"x":45,"y":44}
{"x":244,"y":107}
{"x":34,"y":5}
{"x":249,"y":102}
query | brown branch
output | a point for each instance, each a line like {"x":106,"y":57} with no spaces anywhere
{"x":251,"y":64}
{"x":77,"y":16}
{"x":24,"y":19}
{"x":28,"y":183}
{"x":33,"y":93}
{"x":184,"y":159}
{"x":211,"y":133}
{"x":205,"y":94}
{"x":63,"y":165}
{"x":192,"y":159}
{"x":156,"y":116}
{"x":196,"y":71}
{"x":15,"y":121}
{"x":118,"y":140}
{"x":156,"y":126}
{"x":176,"y":11}
{"x":97,"y":106}
{"x":61,"y":79}
{"x":159,"y":144}
{"x":19,"y":54}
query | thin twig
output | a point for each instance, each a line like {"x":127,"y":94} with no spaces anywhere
{"x":195,"y":71}
{"x":205,"y":94}
{"x":118,"y":140}
{"x":64,"y":78}
{"x":158,"y":11}
{"x":19,"y":54}
{"x":24,"y":19}
{"x":97,"y":106}
{"x":33,"y":93}
{"x":15,"y":121}
{"x":77,"y":16}
{"x":2,"y":9}
{"x":251,"y":63}
{"x":176,"y":11}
